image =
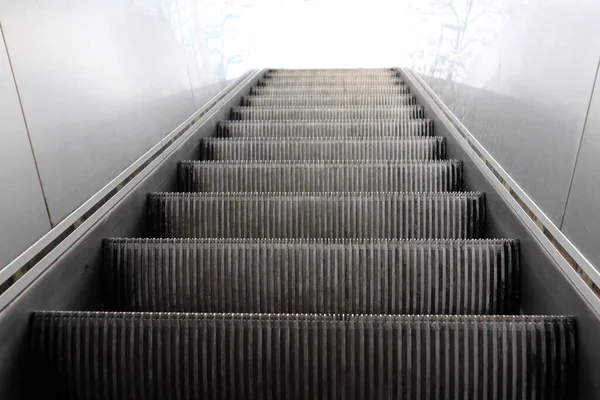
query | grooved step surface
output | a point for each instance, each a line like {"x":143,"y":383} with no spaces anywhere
{"x":327,"y":71}
{"x":328,"y":81}
{"x":322,"y":149}
{"x":192,"y":356}
{"x":326,"y":113}
{"x":368,"y":277}
{"x":318,"y":215}
{"x":333,"y":74}
{"x":315,"y":129}
{"x":320,"y":176}
{"x":328,"y":90}
{"x":315,"y":100}
{"x":334,"y":78}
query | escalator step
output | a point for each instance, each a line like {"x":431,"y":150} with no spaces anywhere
{"x":100,"y":355}
{"x":317,"y":215}
{"x":333,"y":74}
{"x":328,"y":71}
{"x":327,"y":101}
{"x":374,"y":77}
{"x":320,"y":176}
{"x":304,"y":276}
{"x":315,"y":129}
{"x":432,"y":148}
{"x":329,"y":81}
{"x":326,"y":113}
{"x":328,"y":90}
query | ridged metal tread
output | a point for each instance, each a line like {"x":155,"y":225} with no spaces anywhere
{"x":333,"y":74}
{"x":328,"y":90}
{"x":432,"y":148}
{"x":328,"y":101}
{"x":335,"y":78}
{"x":374,"y":277}
{"x":320,"y":176}
{"x":250,"y":356}
{"x":317,"y":215}
{"x":327,"y":71}
{"x":327,"y":113}
{"x":315,"y":129}
{"x":328,"y":81}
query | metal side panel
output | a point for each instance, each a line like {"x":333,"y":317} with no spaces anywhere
{"x":101,"y":82}
{"x":581,"y":220}
{"x":73,"y":279}
{"x":23,"y":215}
{"x":548,"y":285}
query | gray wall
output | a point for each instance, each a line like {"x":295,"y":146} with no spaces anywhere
{"x":86,"y":87}
{"x":520,"y":75}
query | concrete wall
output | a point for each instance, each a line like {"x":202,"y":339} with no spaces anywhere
{"x":87,"y":87}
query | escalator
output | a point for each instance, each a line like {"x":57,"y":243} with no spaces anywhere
{"x":322,"y":246}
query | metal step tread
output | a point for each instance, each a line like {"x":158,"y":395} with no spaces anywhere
{"x":327,"y":113}
{"x":157,"y":356}
{"x":252,"y":148}
{"x":330,"y":70}
{"x":333,"y":78}
{"x":316,"y":100}
{"x":351,"y":277}
{"x":327,"y":81}
{"x":318,"y":176}
{"x":335,"y":72}
{"x":318,"y":215}
{"x":338,"y":129}
{"x":329,"y":90}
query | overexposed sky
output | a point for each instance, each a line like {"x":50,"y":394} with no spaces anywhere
{"x":348,"y":33}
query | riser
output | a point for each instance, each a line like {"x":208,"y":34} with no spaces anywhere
{"x":333,"y":74}
{"x":326,"y":113}
{"x":436,"y":277}
{"x":191,"y":356}
{"x":312,"y":101}
{"x":319,"y":176}
{"x":333,"y":71}
{"x":325,"y":215}
{"x":314,"y":129}
{"x":328,"y":90}
{"x":323,"y":149}
{"x":328,"y":81}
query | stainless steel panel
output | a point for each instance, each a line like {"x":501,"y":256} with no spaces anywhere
{"x":582,"y":216}
{"x":101,"y":82}
{"x":211,"y":31}
{"x":523,"y":88}
{"x":23,"y":216}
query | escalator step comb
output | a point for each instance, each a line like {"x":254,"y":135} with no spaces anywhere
{"x":316,"y":129}
{"x":255,"y":356}
{"x":358,"y":277}
{"x":323,"y":149}
{"x":320,"y":176}
{"x":326,"y":113}
{"x":318,"y":215}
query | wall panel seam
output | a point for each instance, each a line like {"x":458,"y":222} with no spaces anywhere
{"x":37,"y":170}
{"x":587,"y":114}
